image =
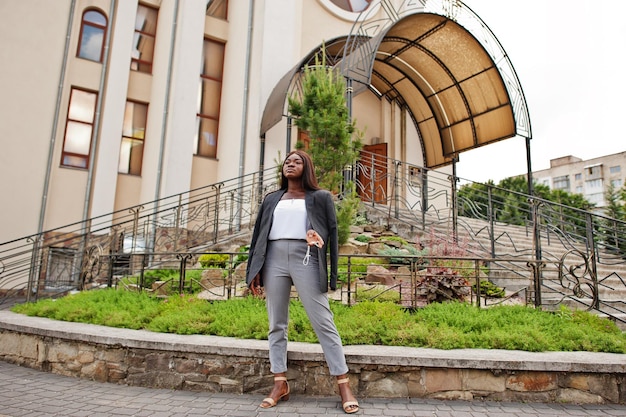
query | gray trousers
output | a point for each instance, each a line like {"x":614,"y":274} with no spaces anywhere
{"x":283,"y":267}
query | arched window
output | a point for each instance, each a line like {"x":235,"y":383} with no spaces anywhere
{"x":93,"y":29}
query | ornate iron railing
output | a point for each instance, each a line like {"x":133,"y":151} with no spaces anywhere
{"x":552,"y":253}
{"x":578,"y":257}
{"x":71,"y":257}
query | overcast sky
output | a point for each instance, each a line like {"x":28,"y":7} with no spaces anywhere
{"x":569,"y":56}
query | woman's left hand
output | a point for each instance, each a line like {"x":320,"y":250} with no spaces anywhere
{"x":314,"y":239}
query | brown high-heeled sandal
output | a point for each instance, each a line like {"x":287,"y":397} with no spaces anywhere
{"x":269,"y":402}
{"x":349,"y":407}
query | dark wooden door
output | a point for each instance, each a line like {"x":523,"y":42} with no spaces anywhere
{"x":372,"y":173}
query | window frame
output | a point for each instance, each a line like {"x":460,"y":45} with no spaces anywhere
{"x":204,"y":117}
{"x":561,"y":182}
{"x":104,"y":29}
{"x":138,"y":62}
{"x":215,"y":6}
{"x":64,"y":153}
{"x":132,"y":139}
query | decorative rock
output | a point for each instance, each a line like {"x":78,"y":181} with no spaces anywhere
{"x":484,"y":381}
{"x":212,"y":277}
{"x":348,"y":249}
{"x":437,"y":380}
{"x":393,"y":244}
{"x":403,"y":274}
{"x":356,"y":229}
{"x":375,"y":247}
{"x":386,"y":387}
{"x":372,"y":228}
{"x":356,"y":247}
{"x":159,"y":287}
{"x":379,"y":274}
{"x":240,"y":271}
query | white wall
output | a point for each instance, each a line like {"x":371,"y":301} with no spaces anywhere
{"x":33,"y":36}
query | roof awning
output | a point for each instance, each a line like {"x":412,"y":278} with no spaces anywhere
{"x":450,"y":85}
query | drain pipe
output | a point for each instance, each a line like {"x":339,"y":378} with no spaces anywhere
{"x":96,"y":127}
{"x":55,"y":121}
{"x":244,"y":112}
{"x":168,"y":83}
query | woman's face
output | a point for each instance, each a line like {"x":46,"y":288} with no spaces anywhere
{"x":293,"y":166}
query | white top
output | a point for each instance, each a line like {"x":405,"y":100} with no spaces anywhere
{"x":289,"y":221}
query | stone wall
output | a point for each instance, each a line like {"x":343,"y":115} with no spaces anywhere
{"x":216,"y":364}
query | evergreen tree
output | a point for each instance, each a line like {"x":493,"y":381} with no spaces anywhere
{"x":323,"y":114}
{"x":612,"y":230}
{"x":334,"y":142}
{"x":510,"y":203}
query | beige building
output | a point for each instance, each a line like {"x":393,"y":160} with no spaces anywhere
{"x":591,"y":177}
{"x":107,"y":104}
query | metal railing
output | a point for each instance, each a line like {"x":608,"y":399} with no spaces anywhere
{"x":71,"y":257}
{"x":553,"y":253}
{"x":577,"y":257}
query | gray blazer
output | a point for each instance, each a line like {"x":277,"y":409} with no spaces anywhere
{"x":320,"y":210}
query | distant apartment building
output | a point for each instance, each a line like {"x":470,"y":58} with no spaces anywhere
{"x":591,"y":177}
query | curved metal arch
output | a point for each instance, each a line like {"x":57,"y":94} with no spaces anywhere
{"x":290,"y":84}
{"x":369,"y":30}
{"x":498,"y":114}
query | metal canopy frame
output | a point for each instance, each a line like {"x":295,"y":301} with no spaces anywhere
{"x":438,"y":60}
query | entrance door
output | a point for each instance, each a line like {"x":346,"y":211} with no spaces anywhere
{"x":372,"y":173}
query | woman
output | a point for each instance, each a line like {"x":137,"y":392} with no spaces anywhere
{"x":295,"y":227}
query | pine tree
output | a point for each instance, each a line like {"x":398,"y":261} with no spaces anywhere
{"x":335,"y":142}
{"x":323,"y":114}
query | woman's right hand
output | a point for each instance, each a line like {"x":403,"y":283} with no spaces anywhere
{"x":255,"y":285}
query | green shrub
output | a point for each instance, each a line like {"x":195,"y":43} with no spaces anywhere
{"x":346,"y":211}
{"x":360,"y":219}
{"x":402,"y":256}
{"x":150,"y":276}
{"x":363,"y":238}
{"x":107,"y":307}
{"x":378,"y":293}
{"x":213,"y":260}
{"x":398,"y":239}
{"x":171,"y":278}
{"x":242,"y":256}
{"x":489,"y":289}
{"x":453,"y":325}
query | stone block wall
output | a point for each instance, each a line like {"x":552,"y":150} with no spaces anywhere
{"x":215,"y":364}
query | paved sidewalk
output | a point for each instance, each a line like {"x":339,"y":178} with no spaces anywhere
{"x":28,"y":392}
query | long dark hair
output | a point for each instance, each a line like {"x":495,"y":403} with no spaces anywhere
{"x":309,"y":180}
